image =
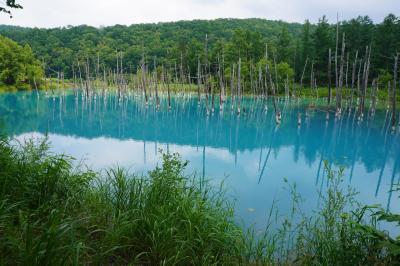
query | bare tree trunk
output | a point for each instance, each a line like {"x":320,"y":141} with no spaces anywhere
{"x":233,"y":70}
{"x":74,"y":79}
{"x":273,"y":90}
{"x":329,"y":77}
{"x":156,"y":83}
{"x":312,"y":77}
{"x":294,"y":73}
{"x":51,"y":85}
{"x":223,"y":77}
{"x":198,"y":81}
{"x":353,"y":75}
{"x":97,"y":69}
{"x":239,"y":86}
{"x":251,"y":78}
{"x":276,"y":75}
{"x":394,"y":93}
{"x":336,"y":56}
{"x":181,"y":73}
{"x":347,"y":72}
{"x":389,"y":90}
{"x":287,"y":88}
{"x":361,"y":107}
{"x":221,"y":84}
{"x":212,"y":97}
{"x":339,"y":103}
{"x":121,"y":71}
{"x":87,"y":77}
{"x":176,"y":74}
{"x":169,"y":97}
{"x":373,"y":95}
{"x":36,"y":88}
{"x":365,"y":79}
{"x":266,"y":78}
{"x":62,"y":81}
{"x":80,"y":75}
{"x":206,"y":70}
{"x":359,"y":82}
{"x":260,"y":81}
{"x":117,"y":74}
{"x":144,"y":80}
{"x":302,"y":75}
{"x":104,"y":79}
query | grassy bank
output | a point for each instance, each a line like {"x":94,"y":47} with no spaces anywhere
{"x":53,"y":213}
{"x":51,"y":84}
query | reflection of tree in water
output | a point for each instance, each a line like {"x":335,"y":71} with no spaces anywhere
{"x":342,"y":141}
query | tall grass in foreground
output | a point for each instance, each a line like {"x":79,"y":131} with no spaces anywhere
{"x":52,"y":213}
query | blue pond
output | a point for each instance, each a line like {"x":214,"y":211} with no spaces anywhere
{"x":249,"y":152}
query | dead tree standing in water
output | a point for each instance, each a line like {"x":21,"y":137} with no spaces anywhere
{"x":221,"y":85}
{"x":198,"y":80}
{"x":144,"y":80}
{"x":329,"y":76}
{"x":336,"y":56}
{"x":394,"y":93}
{"x":353,"y":75}
{"x":277,"y":112}
{"x":340,"y":90}
{"x":156,"y":84}
{"x":233,"y":70}
{"x":302,"y":74}
{"x":239,"y":87}
{"x":168,"y":92}
{"x":365,"y":80}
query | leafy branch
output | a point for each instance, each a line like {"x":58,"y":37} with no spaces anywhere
{"x":9,"y":4}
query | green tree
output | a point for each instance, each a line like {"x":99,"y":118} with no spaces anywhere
{"x":18,"y":66}
{"x":283,"y":45}
{"x":322,"y":42}
{"x":306,"y":41}
{"x":359,"y":33}
{"x":387,"y":41}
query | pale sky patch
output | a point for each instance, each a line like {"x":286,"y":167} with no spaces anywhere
{"x":56,"y":13}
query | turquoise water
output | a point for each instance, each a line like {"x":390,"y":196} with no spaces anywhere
{"x":250,"y":152}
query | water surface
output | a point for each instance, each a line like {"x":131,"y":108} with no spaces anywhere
{"x":250,"y":152}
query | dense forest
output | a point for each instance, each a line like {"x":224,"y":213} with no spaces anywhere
{"x":18,"y":66}
{"x":295,"y":48}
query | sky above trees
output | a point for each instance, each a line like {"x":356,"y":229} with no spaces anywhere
{"x":54,"y":13}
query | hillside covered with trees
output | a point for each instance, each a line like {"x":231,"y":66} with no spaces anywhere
{"x":184,"y":44}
